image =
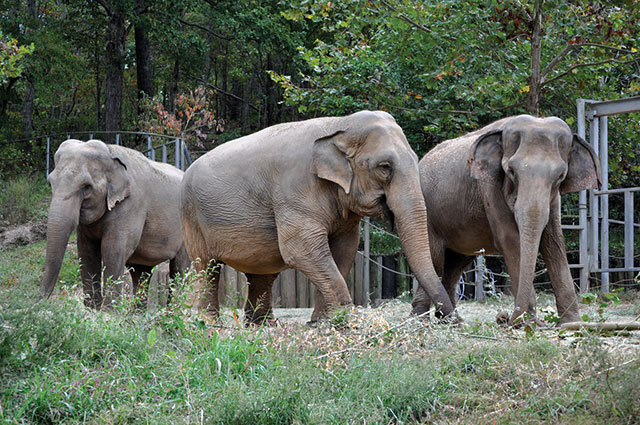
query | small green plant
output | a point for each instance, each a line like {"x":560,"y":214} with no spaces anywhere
{"x":603,"y":301}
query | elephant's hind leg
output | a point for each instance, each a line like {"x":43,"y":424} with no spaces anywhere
{"x":454,"y":264}
{"x":177,"y":265}
{"x":257,"y":308}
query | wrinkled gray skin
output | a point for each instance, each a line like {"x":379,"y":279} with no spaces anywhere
{"x":126,"y":210}
{"x":498,"y":189}
{"x":292,"y":195}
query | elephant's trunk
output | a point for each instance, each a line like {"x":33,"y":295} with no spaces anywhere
{"x":407,"y":204}
{"x":62,"y":220}
{"x":532,"y":215}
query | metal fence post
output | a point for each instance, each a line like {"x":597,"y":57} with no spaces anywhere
{"x":582,"y":209}
{"x":594,"y":133}
{"x":149,"y":153}
{"x":367,"y":254}
{"x":604,"y":204}
{"x":117,"y":138}
{"x":177,"y":143}
{"x":164,"y":153}
{"x":480,"y":278}
{"x":48,"y":154}
{"x":628,"y":229}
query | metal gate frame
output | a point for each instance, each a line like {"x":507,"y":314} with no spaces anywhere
{"x":592,"y":225}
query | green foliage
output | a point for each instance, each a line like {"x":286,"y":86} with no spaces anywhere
{"x":12,"y":57}
{"x":23,"y":199}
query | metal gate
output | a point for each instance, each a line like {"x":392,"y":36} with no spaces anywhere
{"x":594,"y":221}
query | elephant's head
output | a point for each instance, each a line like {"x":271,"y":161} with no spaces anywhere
{"x":87,"y":182}
{"x":533,"y":161}
{"x":369,"y":158}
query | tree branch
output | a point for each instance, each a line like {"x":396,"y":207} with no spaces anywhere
{"x":582,"y":65}
{"x":570,"y":47}
{"x":205,"y":29}
{"x":557,"y":59}
{"x":226,"y":93}
{"x":406,"y":18}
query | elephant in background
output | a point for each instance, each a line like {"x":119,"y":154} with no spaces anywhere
{"x":292,"y":196}
{"x":125,"y":208}
{"x":498,"y":189}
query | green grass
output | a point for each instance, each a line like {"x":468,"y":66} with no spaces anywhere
{"x":24,"y":199}
{"x":63,"y":363}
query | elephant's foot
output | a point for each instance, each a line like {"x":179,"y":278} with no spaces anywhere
{"x":94,"y":303}
{"x":258,"y":317}
{"x":519,"y":320}
{"x":569,"y":318}
{"x":452,"y":318}
{"x":421,"y":311}
{"x":502,"y":318}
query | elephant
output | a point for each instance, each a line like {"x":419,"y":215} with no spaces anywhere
{"x":498,"y":189}
{"x":292,"y":196}
{"x":126,"y":211}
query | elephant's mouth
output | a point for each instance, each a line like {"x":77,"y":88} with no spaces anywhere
{"x":386,"y":213}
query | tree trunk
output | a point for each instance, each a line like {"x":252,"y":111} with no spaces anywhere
{"x":144,"y":66}
{"x":173,"y":91}
{"x":248,"y":88}
{"x":114,"y":78}
{"x":27,"y":108}
{"x":98,"y":83}
{"x":535,"y":78}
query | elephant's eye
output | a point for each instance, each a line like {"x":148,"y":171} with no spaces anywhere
{"x":87,"y":187}
{"x":385,"y":165}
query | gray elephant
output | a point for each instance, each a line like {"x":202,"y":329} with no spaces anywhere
{"x":498,"y":189}
{"x":125,"y":208}
{"x":292,"y":196}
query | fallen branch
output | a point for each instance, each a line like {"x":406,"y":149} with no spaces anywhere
{"x":608,"y":326}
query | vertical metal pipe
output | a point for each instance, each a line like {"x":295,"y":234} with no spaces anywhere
{"x":582,"y":208}
{"x":164,"y":153}
{"x":480,"y":278}
{"x":117,"y":138}
{"x":594,"y":133}
{"x":48,"y":154}
{"x":90,"y":136}
{"x":628,"y":229}
{"x":604,"y":203}
{"x":177,"y":143}
{"x":367,"y":264}
{"x":150,"y":151}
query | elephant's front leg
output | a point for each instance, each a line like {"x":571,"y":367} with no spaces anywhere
{"x":306,"y":248}
{"x":552,"y":247}
{"x":114,"y":255}
{"x":343,"y":246}
{"x":90,"y":270}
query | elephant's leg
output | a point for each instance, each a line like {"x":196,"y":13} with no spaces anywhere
{"x":178,"y":264}
{"x":140,"y":274}
{"x":552,"y":247}
{"x":208,"y":275}
{"x":421,"y":302}
{"x":90,"y":270}
{"x":454,"y":264}
{"x":114,"y":256}
{"x":258,"y":308}
{"x":306,"y":247}
{"x":344,"y":247}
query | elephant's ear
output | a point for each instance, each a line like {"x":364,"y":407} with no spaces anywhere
{"x":118,"y":183}
{"x":330,"y":162}
{"x":583,"y":168}
{"x":485,"y":160}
